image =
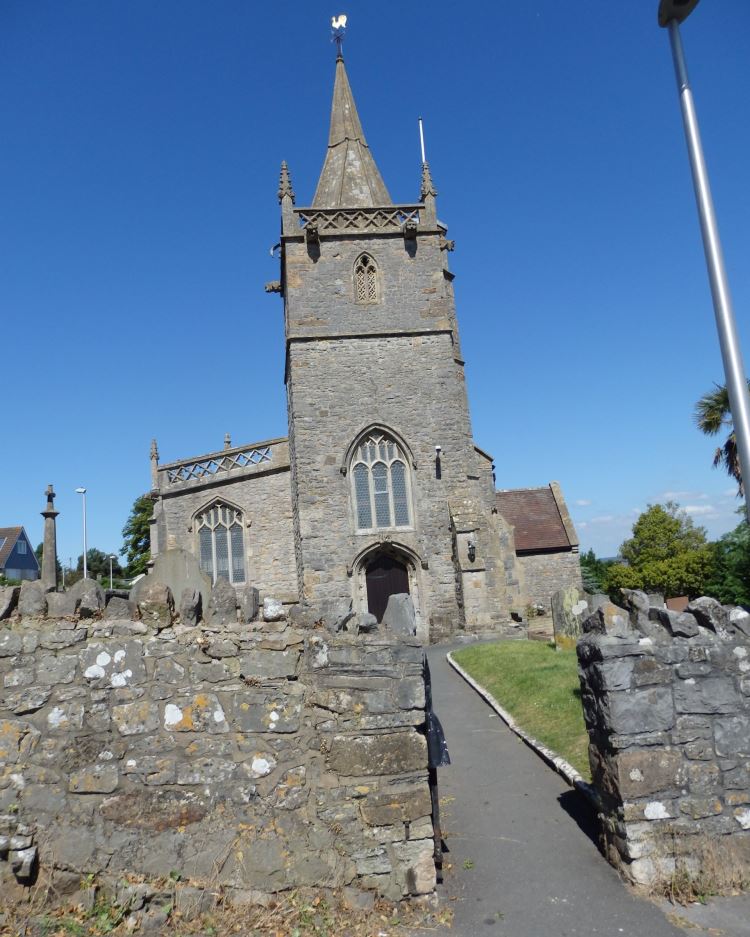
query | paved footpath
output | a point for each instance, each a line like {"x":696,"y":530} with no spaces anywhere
{"x":522,"y":862}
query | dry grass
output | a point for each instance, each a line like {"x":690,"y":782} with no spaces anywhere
{"x":301,"y":913}
{"x":703,"y":869}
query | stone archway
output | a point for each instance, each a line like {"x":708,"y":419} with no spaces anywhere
{"x":392,"y":560}
{"x":385,"y":575}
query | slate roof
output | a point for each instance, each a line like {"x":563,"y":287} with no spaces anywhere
{"x":349,"y":178}
{"x":535,"y":514}
{"x":10,"y":535}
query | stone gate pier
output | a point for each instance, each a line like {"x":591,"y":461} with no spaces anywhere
{"x":666,"y":698}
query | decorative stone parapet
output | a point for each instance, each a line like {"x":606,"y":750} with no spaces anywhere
{"x":341,"y":220}
{"x":666,"y":698}
{"x":272,"y":453}
{"x":268,"y":755}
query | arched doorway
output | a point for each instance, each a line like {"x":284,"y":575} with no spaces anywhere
{"x":385,"y":575}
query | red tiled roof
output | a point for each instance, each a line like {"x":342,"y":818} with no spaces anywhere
{"x":535,"y":515}
{"x":10,"y":535}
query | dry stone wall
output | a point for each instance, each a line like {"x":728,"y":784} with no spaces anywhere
{"x":666,"y":698}
{"x":254,"y":756}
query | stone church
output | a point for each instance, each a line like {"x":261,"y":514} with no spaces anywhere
{"x":379,"y":487}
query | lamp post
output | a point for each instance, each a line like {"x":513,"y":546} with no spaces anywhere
{"x":671,"y":14}
{"x":111,"y":557}
{"x":82,"y":492}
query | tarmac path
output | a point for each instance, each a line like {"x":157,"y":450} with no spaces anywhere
{"x":522,"y":861}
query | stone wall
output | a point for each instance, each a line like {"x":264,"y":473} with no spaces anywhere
{"x":264,"y":496}
{"x":261,"y":755}
{"x":667,"y":704}
{"x":545,"y":573}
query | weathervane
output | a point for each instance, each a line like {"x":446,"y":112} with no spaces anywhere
{"x":338,"y":28}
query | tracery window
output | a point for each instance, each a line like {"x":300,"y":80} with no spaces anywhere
{"x":365,"y":280}
{"x":380,"y":481}
{"x":221,"y":542}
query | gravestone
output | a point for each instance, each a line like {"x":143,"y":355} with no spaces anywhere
{"x":570,"y":608}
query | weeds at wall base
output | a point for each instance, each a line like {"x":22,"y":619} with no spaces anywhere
{"x":713,"y":870}
{"x":96,"y":910}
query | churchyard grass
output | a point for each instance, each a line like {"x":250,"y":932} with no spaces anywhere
{"x":539,"y":687}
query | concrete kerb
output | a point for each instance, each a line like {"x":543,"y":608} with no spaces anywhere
{"x":555,"y":761}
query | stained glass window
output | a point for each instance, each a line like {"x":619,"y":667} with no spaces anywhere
{"x":221,"y":543}
{"x":381,"y":484}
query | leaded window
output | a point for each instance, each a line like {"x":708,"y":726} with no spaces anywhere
{"x":365,"y":280}
{"x":221,"y":550}
{"x":380,"y":481}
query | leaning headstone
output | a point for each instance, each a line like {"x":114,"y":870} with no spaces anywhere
{"x":8,"y":600}
{"x":190,"y":606}
{"x":85,"y":585}
{"x":32,"y":602}
{"x":222,"y":605}
{"x":337,"y":614}
{"x":179,"y":570}
{"x":399,"y":614}
{"x":570,"y":608}
{"x":251,"y":604}
{"x":91,"y":597}
{"x":156,"y":604}
{"x":61,"y":604}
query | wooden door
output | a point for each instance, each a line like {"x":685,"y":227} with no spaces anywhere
{"x":385,"y":576}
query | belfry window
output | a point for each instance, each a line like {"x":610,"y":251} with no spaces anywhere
{"x":365,"y":280}
{"x":220,"y":543}
{"x":380,"y":481}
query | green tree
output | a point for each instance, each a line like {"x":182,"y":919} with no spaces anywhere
{"x":97,"y":564}
{"x":712,"y":414}
{"x":731,"y":581}
{"x":137,"y":534}
{"x":667,"y":553}
{"x":594,"y":572}
{"x":660,"y":533}
{"x":620,"y":576}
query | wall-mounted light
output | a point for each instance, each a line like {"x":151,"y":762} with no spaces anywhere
{"x":472,"y":548}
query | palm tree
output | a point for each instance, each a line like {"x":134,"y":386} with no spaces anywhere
{"x":712,"y":413}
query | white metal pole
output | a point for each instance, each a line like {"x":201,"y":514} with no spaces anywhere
{"x":85,"y":546}
{"x":110,"y":572}
{"x":734,"y":370}
{"x":421,"y":141}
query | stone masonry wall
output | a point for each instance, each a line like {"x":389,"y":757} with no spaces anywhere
{"x":667,"y":704}
{"x":545,"y":573}
{"x":251,"y":756}
{"x":266,"y":501}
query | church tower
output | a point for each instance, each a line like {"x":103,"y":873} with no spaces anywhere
{"x":389,"y":492}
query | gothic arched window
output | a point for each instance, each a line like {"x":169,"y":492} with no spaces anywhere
{"x":380,"y":481}
{"x":221,"y":543}
{"x":365,"y":280}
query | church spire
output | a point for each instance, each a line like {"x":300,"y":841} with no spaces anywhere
{"x":349,"y":178}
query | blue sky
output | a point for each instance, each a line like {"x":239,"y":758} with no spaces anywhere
{"x":138,"y":175}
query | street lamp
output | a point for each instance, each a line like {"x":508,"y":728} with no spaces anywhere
{"x":82,"y":492}
{"x":671,"y":14}
{"x":111,"y":557}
